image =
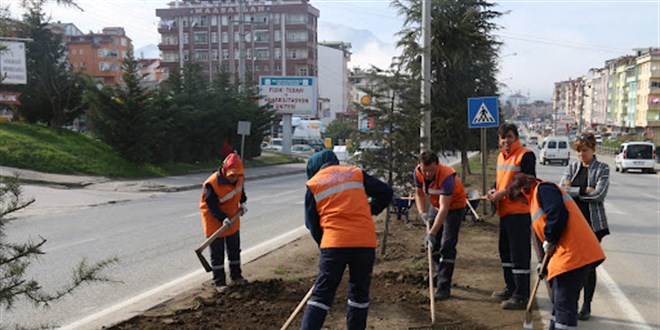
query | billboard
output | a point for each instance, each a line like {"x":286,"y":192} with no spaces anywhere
{"x":289,"y":95}
{"x":12,"y":63}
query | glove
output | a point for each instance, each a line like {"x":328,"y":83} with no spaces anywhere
{"x":227,"y":222}
{"x":538,"y":270}
{"x":243,"y":208}
{"x":431,"y":240}
{"x":425,"y":217}
{"x":548,"y":247}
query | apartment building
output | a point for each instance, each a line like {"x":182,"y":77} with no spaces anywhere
{"x":100,"y":55}
{"x":279,"y":36}
{"x":647,"y":98}
{"x":333,"y":79}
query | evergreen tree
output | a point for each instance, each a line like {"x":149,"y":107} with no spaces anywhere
{"x":464,"y":53}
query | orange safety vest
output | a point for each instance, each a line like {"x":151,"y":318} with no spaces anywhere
{"x":343,"y":207}
{"x":229,"y":199}
{"x":458,"y":199}
{"x":507,"y":167}
{"x":577,"y":246}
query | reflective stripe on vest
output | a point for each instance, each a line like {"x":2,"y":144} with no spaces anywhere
{"x":336,"y":189}
{"x":458,"y":197}
{"x":508,"y":168}
{"x":577,"y":245}
{"x":231,"y":194}
{"x":357,"y":304}
{"x":228,"y":205}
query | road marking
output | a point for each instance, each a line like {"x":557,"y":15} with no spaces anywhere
{"x":136,"y":305}
{"x":611,"y":209}
{"x":191,"y":215}
{"x":57,"y":247}
{"x":620,"y":298}
{"x":649,"y":195}
{"x":276,"y":195}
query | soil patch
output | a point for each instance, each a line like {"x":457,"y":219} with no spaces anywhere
{"x":399,"y":292}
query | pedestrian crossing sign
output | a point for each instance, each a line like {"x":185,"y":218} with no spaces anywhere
{"x":483,"y":112}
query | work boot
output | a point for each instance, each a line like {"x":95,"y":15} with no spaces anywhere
{"x":502,"y":295}
{"x":442,"y":295}
{"x":239,"y":281}
{"x":585,"y":312}
{"x":221,"y":288}
{"x":514,"y":304}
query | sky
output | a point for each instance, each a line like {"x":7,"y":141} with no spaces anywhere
{"x":544,"y":41}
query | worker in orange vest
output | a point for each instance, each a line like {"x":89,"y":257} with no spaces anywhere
{"x":515,"y":230}
{"x":338,"y":214}
{"x":566,"y":235}
{"x":223,"y":196}
{"x":447,"y":197}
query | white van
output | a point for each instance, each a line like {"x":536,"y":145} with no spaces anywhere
{"x":636,"y":155}
{"x":555,"y":149}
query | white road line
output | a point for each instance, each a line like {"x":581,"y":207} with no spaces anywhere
{"x":191,"y":215}
{"x":649,"y":195}
{"x":135,"y":305}
{"x":611,"y":209}
{"x":276,"y":195}
{"x":620,"y":298}
{"x":61,"y":246}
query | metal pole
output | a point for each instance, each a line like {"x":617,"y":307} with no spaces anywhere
{"x":241,"y":45}
{"x":484,"y":159}
{"x":581,"y":108}
{"x":242,"y":146}
{"x":425,"y":125}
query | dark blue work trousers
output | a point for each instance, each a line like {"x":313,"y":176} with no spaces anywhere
{"x":515,"y":253}
{"x":233,"y":245}
{"x":444,"y":254}
{"x":566,"y":292}
{"x":333,"y":261}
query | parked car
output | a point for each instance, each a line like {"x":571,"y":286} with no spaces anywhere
{"x":275,"y":144}
{"x":555,"y":149}
{"x":599,"y":139}
{"x":523,"y":140}
{"x":533,"y":140}
{"x":636,"y":155}
{"x":302,"y":149}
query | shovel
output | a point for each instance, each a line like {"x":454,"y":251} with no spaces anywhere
{"x":210,"y":240}
{"x":297,"y":310}
{"x":528,"y":324}
{"x":430,"y":260}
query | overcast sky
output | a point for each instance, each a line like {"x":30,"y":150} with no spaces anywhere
{"x":544,"y":41}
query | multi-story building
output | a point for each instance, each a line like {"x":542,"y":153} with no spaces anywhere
{"x":100,"y":55}
{"x":598,"y":94}
{"x":333,"y":79}
{"x":279,"y":36}
{"x":647,"y":100}
{"x":151,"y":71}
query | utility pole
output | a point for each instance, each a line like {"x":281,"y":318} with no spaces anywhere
{"x":425,"y":125}
{"x":581,"y":122}
{"x":241,"y":45}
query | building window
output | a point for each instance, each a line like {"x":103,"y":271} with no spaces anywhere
{"x":277,"y":53}
{"x":296,"y":18}
{"x":108,"y":53}
{"x":296,"y":53}
{"x":296,"y":36}
{"x":259,"y":18}
{"x":170,"y":56}
{"x":169,"y":39}
{"x":257,"y":68}
{"x":301,"y":70}
{"x":73,"y":52}
{"x":236,"y":36}
{"x":225,"y":37}
{"x":278,"y":67}
{"x":225,"y":54}
{"x":236,"y":53}
{"x":223,"y":20}
{"x":214,"y":37}
{"x":248,"y":53}
{"x":277,"y":35}
{"x":248,"y":36}
{"x":276,"y":18}
{"x":201,"y":55}
{"x":215,"y":55}
{"x":214,"y":20}
{"x":262,"y":53}
{"x":186,"y":38}
{"x":184,"y":21}
{"x":266,"y":67}
{"x":124,"y":42}
{"x":201,"y":37}
{"x":261,"y":35}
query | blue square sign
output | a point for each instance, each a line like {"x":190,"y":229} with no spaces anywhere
{"x":483,"y":112}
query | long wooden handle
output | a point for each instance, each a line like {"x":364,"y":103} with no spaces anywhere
{"x":298,"y":308}
{"x":210,"y":240}
{"x":430,"y":261}
{"x":476,"y":216}
{"x":530,"y":303}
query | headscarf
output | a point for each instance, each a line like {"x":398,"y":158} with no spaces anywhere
{"x":316,"y":162}
{"x":232,"y":165}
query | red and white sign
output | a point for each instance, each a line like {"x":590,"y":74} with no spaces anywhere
{"x":9,"y":98}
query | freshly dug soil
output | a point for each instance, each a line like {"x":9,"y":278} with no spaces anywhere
{"x":399,"y":290}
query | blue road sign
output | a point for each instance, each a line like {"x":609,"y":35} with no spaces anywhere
{"x":483,"y":112}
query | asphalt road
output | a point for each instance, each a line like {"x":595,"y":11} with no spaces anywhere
{"x":153,"y":238}
{"x":628,"y":286}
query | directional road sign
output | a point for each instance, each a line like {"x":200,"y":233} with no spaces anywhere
{"x":483,"y":112}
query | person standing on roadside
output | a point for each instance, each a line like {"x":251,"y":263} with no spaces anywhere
{"x":568,"y":239}
{"x":338,"y":215}
{"x":447,"y":195}
{"x":587,"y":181}
{"x":515,"y":231}
{"x":223,"y":196}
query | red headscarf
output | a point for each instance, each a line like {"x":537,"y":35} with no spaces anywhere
{"x":232,"y":165}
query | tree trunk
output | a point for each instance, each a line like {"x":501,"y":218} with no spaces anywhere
{"x":465,"y":165}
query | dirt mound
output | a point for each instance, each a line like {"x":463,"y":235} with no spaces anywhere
{"x":399,"y":292}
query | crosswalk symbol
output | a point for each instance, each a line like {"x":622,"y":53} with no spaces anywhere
{"x":483,"y":116}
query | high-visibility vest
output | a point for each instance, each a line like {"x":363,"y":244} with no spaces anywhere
{"x":507,"y":167}
{"x":229,"y":199}
{"x":458,"y":198}
{"x":577,"y":246}
{"x":343,"y":208}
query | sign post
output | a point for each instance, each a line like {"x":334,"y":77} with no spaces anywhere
{"x":483,"y":113}
{"x":243,"y":130}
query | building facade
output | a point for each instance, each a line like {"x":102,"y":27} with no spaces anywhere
{"x":279,"y":37}
{"x":647,"y":98}
{"x":100,"y":55}
{"x":333,"y":79}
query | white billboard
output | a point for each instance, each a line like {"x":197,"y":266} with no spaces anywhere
{"x":289,"y":95}
{"x":12,"y":63}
